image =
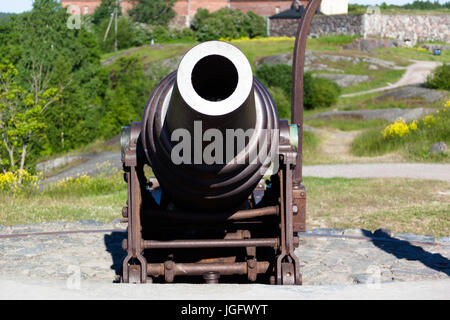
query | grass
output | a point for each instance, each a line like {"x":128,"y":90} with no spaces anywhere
{"x":372,"y":101}
{"x":98,"y":199}
{"x":330,"y":43}
{"x":394,"y":54}
{"x":378,"y":78}
{"x":414,"y":144}
{"x":395,"y":204}
{"x":346,"y":124}
{"x":336,"y":203}
{"x":311,"y":143}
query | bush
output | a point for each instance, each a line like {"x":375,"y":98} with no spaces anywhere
{"x":440,"y":78}
{"x":277,"y":75}
{"x":108,"y":180}
{"x":414,"y":138}
{"x":318,"y":92}
{"x":227,"y":23}
{"x":282,"y":101}
{"x":127,"y":35}
{"x":18,"y":181}
{"x":160,"y":34}
{"x":155,"y":12}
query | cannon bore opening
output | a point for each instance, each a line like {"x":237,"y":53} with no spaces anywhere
{"x":214,"y":78}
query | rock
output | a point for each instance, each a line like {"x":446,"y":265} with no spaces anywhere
{"x":49,"y":165}
{"x":370,"y":44}
{"x":414,"y":237}
{"x":431,"y":47}
{"x":343,"y":80}
{"x":356,"y":60}
{"x":321,"y":67}
{"x":409,"y":92}
{"x":444,"y":240}
{"x":357,"y":232}
{"x":438,"y":148}
{"x":284,"y":58}
{"x":30,"y":251}
{"x":328,"y":231}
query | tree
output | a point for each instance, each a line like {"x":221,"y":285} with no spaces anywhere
{"x":54,"y":56}
{"x":20,"y":117}
{"x":127,"y":35}
{"x":104,"y":11}
{"x":156,"y":12}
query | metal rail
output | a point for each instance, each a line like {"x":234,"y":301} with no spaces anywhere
{"x":211,"y":243}
{"x":300,"y":234}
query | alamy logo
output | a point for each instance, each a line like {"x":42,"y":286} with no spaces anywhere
{"x":74,"y":21}
{"x":214,"y":146}
{"x":373,"y":10}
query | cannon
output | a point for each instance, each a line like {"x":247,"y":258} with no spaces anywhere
{"x":226,"y":200}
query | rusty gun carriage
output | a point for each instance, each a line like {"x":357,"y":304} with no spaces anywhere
{"x":216,"y":220}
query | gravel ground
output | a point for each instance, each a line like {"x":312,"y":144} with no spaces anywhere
{"x":328,"y":256}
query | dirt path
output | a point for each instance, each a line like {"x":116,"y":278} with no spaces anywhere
{"x":415,"y":74}
{"x":336,"y":145}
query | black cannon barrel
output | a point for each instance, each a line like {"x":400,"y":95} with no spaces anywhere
{"x":210,"y":129}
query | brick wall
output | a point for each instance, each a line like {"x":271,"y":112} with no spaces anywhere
{"x":263,"y":7}
{"x":185,"y":13}
{"x":89,"y":6}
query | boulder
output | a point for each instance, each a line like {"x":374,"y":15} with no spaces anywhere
{"x":438,"y":148}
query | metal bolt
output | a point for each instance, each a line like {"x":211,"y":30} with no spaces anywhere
{"x":294,"y":208}
{"x":125,"y":212}
{"x":211,"y":277}
{"x":169,"y":265}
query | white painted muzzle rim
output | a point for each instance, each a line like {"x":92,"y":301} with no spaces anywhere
{"x":243,"y":87}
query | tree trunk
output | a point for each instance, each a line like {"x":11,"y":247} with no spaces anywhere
{"x":22,"y":161}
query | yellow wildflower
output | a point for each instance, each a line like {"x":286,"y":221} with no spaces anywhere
{"x":398,"y":128}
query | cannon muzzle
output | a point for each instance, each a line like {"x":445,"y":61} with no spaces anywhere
{"x":210,"y":129}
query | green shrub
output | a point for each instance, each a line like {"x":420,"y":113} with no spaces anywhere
{"x":318,"y":92}
{"x":277,"y":75}
{"x":413,"y":139}
{"x":155,"y":12}
{"x":127,"y":35}
{"x":108,"y":180}
{"x":440,"y":78}
{"x":282,"y":101}
{"x":161,"y":34}
{"x":227,"y":23}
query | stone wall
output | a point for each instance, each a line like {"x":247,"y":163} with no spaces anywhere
{"x":408,"y":29}
{"x":321,"y":25}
